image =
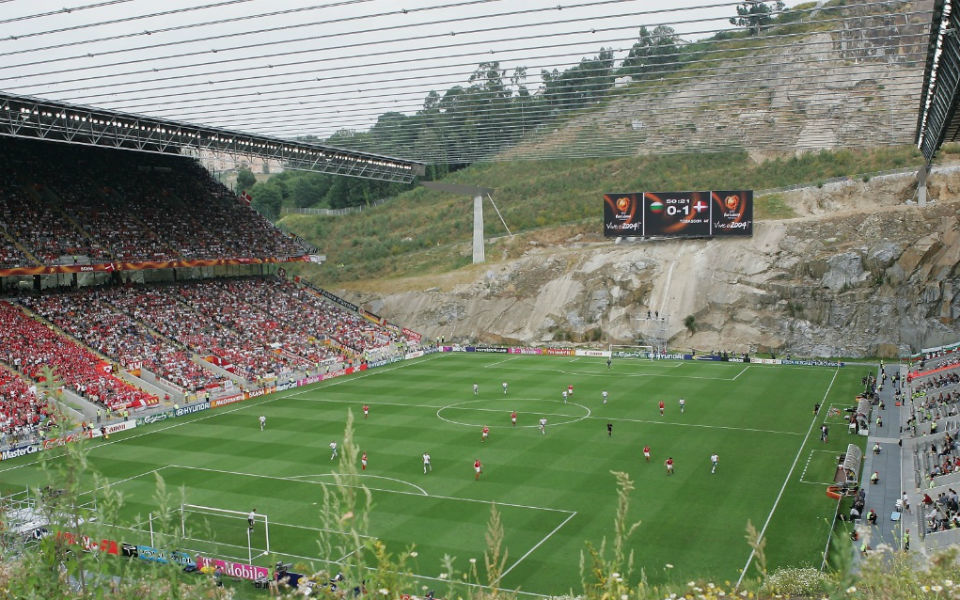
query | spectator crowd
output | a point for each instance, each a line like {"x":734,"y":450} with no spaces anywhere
{"x":28,"y":345}
{"x":90,"y":205}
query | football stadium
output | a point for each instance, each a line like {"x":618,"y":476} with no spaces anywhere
{"x":480,"y":300}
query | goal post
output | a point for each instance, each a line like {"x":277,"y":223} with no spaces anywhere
{"x":632,"y":351}
{"x":229,"y":522}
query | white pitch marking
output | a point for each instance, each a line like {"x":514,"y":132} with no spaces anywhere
{"x":537,"y":545}
{"x":244,"y":405}
{"x":658,"y":422}
{"x":578,"y":374}
{"x":786,"y":480}
{"x":500,"y":362}
{"x":740,"y":373}
{"x":194,"y":468}
{"x":413,"y":485}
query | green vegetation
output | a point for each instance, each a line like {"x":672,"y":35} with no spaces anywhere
{"x":772,"y":207}
{"x":423,"y":231}
{"x":553,"y":493}
{"x":494,"y":110}
{"x":539,"y":517}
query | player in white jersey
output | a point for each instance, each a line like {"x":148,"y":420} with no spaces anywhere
{"x":683,"y":403}
{"x":333,"y":450}
{"x":263,"y":422}
{"x":476,"y":390}
{"x":604,"y":394}
{"x":564,"y":394}
{"x":504,"y":384}
{"x":426,"y":463}
{"x":543,"y":425}
{"x":714,"y":462}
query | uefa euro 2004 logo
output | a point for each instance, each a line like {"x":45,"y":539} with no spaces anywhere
{"x":731,"y":202}
{"x":623,"y":203}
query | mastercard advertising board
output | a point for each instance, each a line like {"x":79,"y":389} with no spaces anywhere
{"x":678,"y":214}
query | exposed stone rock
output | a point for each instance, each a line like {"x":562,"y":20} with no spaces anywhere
{"x":868,"y":277}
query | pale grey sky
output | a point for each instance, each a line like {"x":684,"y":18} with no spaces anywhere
{"x":284,"y":67}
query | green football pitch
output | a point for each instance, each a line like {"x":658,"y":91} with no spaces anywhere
{"x":555,"y":491}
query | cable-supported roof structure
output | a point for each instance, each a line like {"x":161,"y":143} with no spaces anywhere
{"x":454,"y":81}
{"x":51,"y":121}
{"x":938,"y":121}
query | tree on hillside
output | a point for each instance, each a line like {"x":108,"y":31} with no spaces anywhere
{"x":245,"y":179}
{"x":756,"y":15}
{"x":267,"y":198}
{"x":580,"y":84}
{"x":309,"y":189}
{"x":653,"y":53}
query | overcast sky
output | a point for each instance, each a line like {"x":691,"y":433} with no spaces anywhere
{"x":311,"y":67}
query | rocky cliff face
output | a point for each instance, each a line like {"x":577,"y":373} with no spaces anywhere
{"x":854,"y":83}
{"x":861,"y":273}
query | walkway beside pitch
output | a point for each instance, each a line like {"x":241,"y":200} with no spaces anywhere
{"x":888,"y":464}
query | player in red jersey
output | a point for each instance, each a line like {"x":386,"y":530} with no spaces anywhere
{"x":570,"y":391}
{"x":513,"y":418}
{"x":646,"y":452}
{"x":477,"y":467}
{"x":661,"y":408}
{"x":366,"y":411}
{"x":669,"y":465}
{"x":363,"y":461}
{"x":484,"y":433}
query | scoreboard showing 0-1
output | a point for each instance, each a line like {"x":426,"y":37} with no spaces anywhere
{"x":678,"y":214}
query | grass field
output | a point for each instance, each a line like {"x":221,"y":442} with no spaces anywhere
{"x":555,"y":491}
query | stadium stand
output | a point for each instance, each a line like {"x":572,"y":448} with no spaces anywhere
{"x":254,"y":327}
{"x":28,"y":345}
{"x":22,"y":413}
{"x":88,"y":316}
{"x":68,"y":205}
{"x":933,"y":400}
{"x":142,"y":218}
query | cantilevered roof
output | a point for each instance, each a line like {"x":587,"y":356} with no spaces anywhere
{"x":59,"y":122}
{"x":455,"y":81}
{"x":938,"y":121}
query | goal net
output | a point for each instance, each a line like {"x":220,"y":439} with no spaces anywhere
{"x":627,"y":351}
{"x":224,"y":527}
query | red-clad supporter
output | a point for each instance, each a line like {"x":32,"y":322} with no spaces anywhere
{"x":174,"y":312}
{"x":22,"y":412}
{"x":89,"y":316}
{"x":255,"y":327}
{"x":28,"y":345}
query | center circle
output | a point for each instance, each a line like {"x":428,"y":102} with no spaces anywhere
{"x":546,"y":405}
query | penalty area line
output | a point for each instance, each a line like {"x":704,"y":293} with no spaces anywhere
{"x":537,"y":545}
{"x":500,"y":362}
{"x":786,"y":480}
